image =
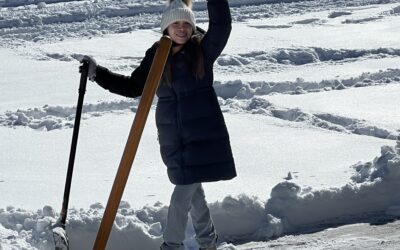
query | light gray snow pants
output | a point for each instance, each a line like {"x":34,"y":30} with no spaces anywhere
{"x":185,"y":199}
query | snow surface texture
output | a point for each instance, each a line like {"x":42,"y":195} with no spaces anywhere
{"x":235,"y":96}
{"x":24,"y":22}
{"x":290,"y":209}
{"x":245,"y":84}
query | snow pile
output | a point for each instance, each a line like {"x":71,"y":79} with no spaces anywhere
{"x":335,"y":14}
{"x":370,"y":192}
{"x":281,"y":59}
{"x":49,"y":118}
{"x":261,"y":106}
{"x":141,"y":228}
{"x":246,"y":89}
{"x":291,"y":209}
{"x":243,"y":218}
{"x":362,"y":20}
{"x":21,"y":229}
{"x":234,"y":96}
{"x":57,"y":117}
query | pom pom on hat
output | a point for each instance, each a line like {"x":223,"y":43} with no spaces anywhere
{"x":178,"y":10}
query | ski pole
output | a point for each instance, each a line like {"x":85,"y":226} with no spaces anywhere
{"x":59,"y":234}
{"x":132,"y":143}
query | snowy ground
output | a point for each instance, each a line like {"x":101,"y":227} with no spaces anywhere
{"x":309,"y":91}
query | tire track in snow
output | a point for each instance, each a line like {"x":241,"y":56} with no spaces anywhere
{"x":234,"y":97}
{"x":245,"y":90}
{"x":267,"y":61}
{"x":260,"y":106}
{"x":240,"y":96}
{"x":261,"y":61}
{"x":301,"y":56}
{"x":48,"y":20}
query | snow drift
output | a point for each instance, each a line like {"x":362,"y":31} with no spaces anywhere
{"x":239,"y":219}
{"x":234,"y":96}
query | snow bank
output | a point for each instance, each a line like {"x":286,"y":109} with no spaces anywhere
{"x":371,"y":191}
{"x":362,"y":20}
{"x":282,"y":58}
{"x":335,"y":14}
{"x":261,"y":106}
{"x":57,"y":117}
{"x":244,"y":90}
{"x":234,"y":96}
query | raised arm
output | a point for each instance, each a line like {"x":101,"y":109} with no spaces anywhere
{"x":129,"y":86}
{"x":219,"y":29}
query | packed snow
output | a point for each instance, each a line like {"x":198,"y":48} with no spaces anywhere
{"x":309,"y":91}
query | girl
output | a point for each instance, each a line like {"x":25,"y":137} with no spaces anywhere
{"x":194,"y":141}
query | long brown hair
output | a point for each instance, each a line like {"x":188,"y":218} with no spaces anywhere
{"x":194,"y":54}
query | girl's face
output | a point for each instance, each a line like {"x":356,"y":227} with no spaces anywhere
{"x":180,"y":32}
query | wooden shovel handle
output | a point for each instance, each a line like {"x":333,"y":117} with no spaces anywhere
{"x":152,"y":82}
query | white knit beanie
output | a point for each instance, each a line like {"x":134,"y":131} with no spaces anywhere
{"x":178,"y":10}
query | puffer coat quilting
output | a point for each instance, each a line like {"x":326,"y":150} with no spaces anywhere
{"x":194,"y":141}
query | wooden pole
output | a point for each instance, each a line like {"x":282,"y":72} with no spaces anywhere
{"x":152,"y":82}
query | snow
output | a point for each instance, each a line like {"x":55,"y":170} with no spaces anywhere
{"x":309,"y":93}
{"x":237,"y":219}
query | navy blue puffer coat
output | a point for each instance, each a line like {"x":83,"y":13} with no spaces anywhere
{"x":193,"y":137}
